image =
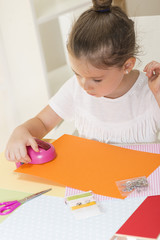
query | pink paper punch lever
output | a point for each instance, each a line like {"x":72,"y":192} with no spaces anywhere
{"x":46,"y":153}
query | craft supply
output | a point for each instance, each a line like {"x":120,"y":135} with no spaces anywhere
{"x":83,"y":205}
{"x":153,"y":189}
{"x":45,"y":154}
{"x":43,"y":144}
{"x":8,"y":194}
{"x":144,"y":222}
{"x":87,"y":164}
{"x":49,"y":218}
{"x":127,"y":186}
{"x":10,"y":206}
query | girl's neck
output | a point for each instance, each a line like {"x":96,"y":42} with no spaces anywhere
{"x":126,"y":84}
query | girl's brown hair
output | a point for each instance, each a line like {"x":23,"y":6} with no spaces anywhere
{"x":104,"y":35}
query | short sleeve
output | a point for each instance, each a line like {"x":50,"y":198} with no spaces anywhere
{"x":62,"y":102}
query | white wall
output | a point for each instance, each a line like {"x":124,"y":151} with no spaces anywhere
{"x":142,"y":7}
{"x":148,"y":38}
{"x":22,"y":50}
{"x":21,"y":62}
{"x":7,"y":106}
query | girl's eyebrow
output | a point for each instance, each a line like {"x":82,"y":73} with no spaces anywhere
{"x":91,"y":77}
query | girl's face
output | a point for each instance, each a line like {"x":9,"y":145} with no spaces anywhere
{"x":97,"y":82}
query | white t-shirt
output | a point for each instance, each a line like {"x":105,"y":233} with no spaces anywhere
{"x":133,"y":117}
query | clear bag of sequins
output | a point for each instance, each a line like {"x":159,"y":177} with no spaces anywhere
{"x":133,"y":184}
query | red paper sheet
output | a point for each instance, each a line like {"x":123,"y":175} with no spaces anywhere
{"x":145,"y":221}
{"x":90,"y":165}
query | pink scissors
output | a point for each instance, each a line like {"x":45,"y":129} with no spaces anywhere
{"x":8,"y":207}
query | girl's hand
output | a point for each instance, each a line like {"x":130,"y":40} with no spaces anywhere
{"x":152,"y":70}
{"x":16,"y":148}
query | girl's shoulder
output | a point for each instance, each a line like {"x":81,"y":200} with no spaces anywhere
{"x":141,"y":93}
{"x":140,"y":83}
{"x":140,"y":78}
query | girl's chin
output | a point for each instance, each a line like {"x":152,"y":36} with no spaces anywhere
{"x":95,"y":95}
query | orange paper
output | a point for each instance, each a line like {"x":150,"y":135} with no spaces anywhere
{"x":90,"y":165}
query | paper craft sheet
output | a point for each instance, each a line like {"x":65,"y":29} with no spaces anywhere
{"x":90,"y":165}
{"x":153,"y":189}
{"x":145,"y":221}
{"x":25,"y":183}
{"x":49,"y":218}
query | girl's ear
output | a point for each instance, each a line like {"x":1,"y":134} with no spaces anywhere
{"x":129,"y":65}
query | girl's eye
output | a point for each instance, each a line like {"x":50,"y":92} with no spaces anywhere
{"x":97,"y":80}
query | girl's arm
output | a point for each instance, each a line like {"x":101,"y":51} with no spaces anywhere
{"x":24,"y":134}
{"x":152,"y":70}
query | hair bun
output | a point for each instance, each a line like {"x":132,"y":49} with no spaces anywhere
{"x":101,"y":4}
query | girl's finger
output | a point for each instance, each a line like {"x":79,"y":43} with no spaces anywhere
{"x":153,"y":70}
{"x":12,"y":157}
{"x":18,"y":156}
{"x":151,"y":65}
{"x":7,"y":155}
{"x":147,"y":66}
{"x":34,"y":144}
{"x":23,"y":152}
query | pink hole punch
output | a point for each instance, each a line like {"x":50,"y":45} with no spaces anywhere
{"x":46,"y":153}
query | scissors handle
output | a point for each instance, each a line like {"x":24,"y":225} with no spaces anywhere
{"x":8,"y":207}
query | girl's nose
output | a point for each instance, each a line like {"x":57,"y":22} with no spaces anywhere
{"x":86,"y":85}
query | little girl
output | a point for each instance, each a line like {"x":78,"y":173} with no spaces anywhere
{"x":107,"y":99}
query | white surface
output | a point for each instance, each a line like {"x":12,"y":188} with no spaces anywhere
{"x":63,"y":128}
{"x":48,"y":218}
{"x":21,"y":66}
{"x":7,"y":106}
{"x":148,"y":38}
{"x":22,"y":51}
{"x":142,"y":7}
{"x":57,"y":78}
{"x":49,"y":9}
